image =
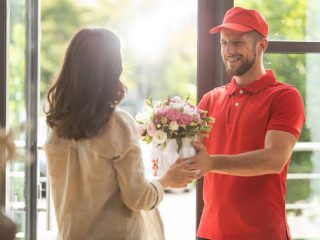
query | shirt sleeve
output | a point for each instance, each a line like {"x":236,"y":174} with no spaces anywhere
{"x":136,"y":191}
{"x":287,"y":112}
{"x":203,"y":103}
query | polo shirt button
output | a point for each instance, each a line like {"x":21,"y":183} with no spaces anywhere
{"x":237,"y":104}
{"x":241,"y":91}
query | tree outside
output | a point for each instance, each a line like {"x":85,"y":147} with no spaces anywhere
{"x":155,"y":63}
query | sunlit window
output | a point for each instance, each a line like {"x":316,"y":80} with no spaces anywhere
{"x":159,"y":47}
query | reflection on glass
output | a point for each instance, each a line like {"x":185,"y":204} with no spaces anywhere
{"x":303,"y":184}
{"x":289,"y":20}
{"x":15,"y":191}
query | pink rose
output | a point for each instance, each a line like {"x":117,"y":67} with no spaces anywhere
{"x":196,"y":118}
{"x":160,"y":113}
{"x":186,"y":119}
{"x":173,"y":114}
{"x":141,"y":130}
{"x":151,"y":129}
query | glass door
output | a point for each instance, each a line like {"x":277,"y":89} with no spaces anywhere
{"x":17,"y":115}
{"x":159,"y":47}
{"x":21,"y":108}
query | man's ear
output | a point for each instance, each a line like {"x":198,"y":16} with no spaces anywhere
{"x":263,"y":44}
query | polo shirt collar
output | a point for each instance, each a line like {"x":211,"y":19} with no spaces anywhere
{"x":254,"y":86}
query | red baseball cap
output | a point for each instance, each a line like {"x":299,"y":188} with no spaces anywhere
{"x":243,"y":20}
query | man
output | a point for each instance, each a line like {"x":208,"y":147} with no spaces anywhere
{"x":246,"y":156}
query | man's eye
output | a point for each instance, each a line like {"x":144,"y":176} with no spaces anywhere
{"x":236,"y":43}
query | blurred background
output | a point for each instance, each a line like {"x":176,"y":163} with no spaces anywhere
{"x":159,"y":46}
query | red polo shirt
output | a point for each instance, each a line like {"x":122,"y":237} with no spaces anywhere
{"x":248,"y":208}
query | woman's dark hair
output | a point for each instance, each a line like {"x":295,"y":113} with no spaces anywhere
{"x":88,"y":88}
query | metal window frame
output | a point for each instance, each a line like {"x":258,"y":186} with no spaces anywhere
{"x":3,"y":82}
{"x":292,"y":47}
{"x":32,"y":109}
{"x":32,"y":99}
{"x":210,"y":69}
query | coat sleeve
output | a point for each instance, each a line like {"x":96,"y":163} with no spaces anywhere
{"x":136,"y":191}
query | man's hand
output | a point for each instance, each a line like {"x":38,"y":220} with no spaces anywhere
{"x":201,"y":162}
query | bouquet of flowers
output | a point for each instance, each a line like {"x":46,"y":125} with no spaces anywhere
{"x":170,"y":125}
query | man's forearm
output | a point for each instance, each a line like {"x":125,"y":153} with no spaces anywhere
{"x":254,"y":163}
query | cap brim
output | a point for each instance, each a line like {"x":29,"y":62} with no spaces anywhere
{"x":232,"y":26}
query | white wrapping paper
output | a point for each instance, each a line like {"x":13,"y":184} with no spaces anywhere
{"x":167,"y":156}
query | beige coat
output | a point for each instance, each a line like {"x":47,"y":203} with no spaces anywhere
{"x":98,"y":185}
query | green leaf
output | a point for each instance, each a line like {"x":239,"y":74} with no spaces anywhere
{"x":149,"y":102}
{"x":147,"y":139}
{"x":210,"y":119}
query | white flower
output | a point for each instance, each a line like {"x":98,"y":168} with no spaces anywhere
{"x":144,"y":117}
{"x":177,"y":99}
{"x":189,"y":110}
{"x":174,"y":126}
{"x":176,"y":105}
{"x":159,"y":137}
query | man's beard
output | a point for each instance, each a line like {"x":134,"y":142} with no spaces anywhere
{"x":244,"y":67}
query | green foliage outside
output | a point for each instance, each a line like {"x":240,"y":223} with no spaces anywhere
{"x":17,"y":69}
{"x":171,"y":73}
{"x":290,"y":68}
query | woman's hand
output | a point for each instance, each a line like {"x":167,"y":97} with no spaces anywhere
{"x":179,"y":175}
{"x":186,"y":170}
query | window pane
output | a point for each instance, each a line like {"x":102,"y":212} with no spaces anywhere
{"x":303,"y":207}
{"x":289,"y":20}
{"x":302,"y":71}
{"x":160,"y":47}
{"x":17,"y":115}
{"x":159,"y":40}
{"x":303,"y":189}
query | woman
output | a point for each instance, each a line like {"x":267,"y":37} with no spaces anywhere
{"x":94,"y":158}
